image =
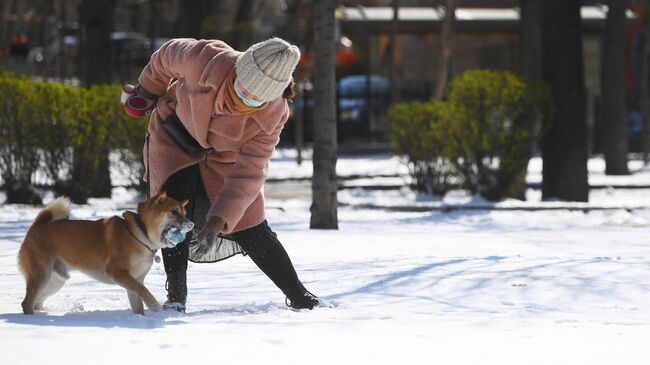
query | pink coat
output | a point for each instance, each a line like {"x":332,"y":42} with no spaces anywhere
{"x":237,"y":146}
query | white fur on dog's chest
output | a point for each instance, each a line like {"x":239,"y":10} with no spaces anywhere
{"x":139,"y":269}
{"x":142,"y":267}
{"x":99,"y":276}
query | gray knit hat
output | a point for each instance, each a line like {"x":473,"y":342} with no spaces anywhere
{"x":265,"y":68}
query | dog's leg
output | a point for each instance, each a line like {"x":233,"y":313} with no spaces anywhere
{"x":52,"y":287}
{"x":136,"y":302}
{"x":131,"y":284}
{"x":137,"y":306}
{"x":57,"y":279}
{"x":36,"y":281}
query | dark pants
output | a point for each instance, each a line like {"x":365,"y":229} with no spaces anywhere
{"x":260,"y":243}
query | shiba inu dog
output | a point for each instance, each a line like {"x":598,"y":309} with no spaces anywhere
{"x":115,"y":250}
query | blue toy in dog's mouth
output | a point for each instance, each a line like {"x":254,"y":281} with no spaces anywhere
{"x":173,"y":235}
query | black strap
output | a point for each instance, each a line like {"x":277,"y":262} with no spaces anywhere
{"x":140,"y":223}
{"x":143,"y":228}
{"x":183,"y":139}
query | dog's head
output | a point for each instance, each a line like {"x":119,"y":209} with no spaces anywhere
{"x":162,"y":212}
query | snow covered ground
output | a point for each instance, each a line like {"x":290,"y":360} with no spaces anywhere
{"x":466,"y":287}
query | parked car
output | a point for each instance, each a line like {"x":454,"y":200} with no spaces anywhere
{"x":361,"y":113}
{"x":353,"y":109}
{"x":353,"y":97}
{"x":634,"y":130}
{"x":130,"y":50}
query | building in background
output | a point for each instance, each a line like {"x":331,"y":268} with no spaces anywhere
{"x":486,"y":35}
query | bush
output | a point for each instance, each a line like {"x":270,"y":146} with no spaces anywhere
{"x":58,"y":108}
{"x":486,"y":130}
{"x":415,"y":131}
{"x":59,"y":127}
{"x":492,"y":131}
{"x":19,"y":139}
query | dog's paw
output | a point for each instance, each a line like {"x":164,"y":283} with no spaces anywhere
{"x":154,"y":306}
{"x":27,"y":309}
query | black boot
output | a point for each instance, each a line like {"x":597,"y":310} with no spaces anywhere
{"x":175,"y":261}
{"x":278,"y":267}
{"x":303,"y":299}
{"x":184,"y":184}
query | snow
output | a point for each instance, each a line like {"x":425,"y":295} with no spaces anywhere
{"x":464,"y":287}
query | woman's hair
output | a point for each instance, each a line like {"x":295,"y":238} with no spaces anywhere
{"x":290,"y":92}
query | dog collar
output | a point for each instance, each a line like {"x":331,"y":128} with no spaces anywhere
{"x":143,"y":230}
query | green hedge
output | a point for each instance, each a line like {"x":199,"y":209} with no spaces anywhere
{"x":415,"y":130}
{"x":481,"y":137}
{"x":50,"y":127}
{"x":19,"y":135}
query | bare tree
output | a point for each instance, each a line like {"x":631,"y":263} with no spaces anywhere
{"x":291,"y":29}
{"x":96,"y":20}
{"x":530,"y":46}
{"x":5,"y":31}
{"x":644,"y":93}
{"x":613,"y":89}
{"x":389,"y":61}
{"x":324,"y":185}
{"x":531,"y":39}
{"x":190,"y":20}
{"x":153,"y":26}
{"x":242,"y":36}
{"x":47,"y":9}
{"x":565,"y":143}
{"x":446,"y":47}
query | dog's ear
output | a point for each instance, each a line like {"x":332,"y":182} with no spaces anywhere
{"x":184,"y":203}
{"x":161,"y":197}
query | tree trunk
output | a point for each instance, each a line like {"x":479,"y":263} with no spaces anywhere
{"x":62,"y":68}
{"x":191,"y":16}
{"x":243,"y":26}
{"x":324,"y":185}
{"x":5,"y":32}
{"x":391,"y":63}
{"x":47,"y":9}
{"x":19,"y":25}
{"x":292,"y":30}
{"x":96,"y":18}
{"x":530,"y":48}
{"x":531,"y":39}
{"x":613,"y":89}
{"x":644,"y":93}
{"x":153,"y":26}
{"x":565,"y":143}
{"x":446,"y":47}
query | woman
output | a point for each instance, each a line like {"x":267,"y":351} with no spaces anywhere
{"x":232,"y":106}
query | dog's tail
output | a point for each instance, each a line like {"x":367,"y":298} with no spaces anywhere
{"x":56,"y":210}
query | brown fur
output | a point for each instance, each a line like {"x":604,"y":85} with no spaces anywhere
{"x":103,"y":249}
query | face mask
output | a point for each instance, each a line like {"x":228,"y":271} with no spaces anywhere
{"x":250,"y":102}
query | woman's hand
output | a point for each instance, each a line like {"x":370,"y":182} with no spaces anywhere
{"x":208,"y":235}
{"x":137,"y":101}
